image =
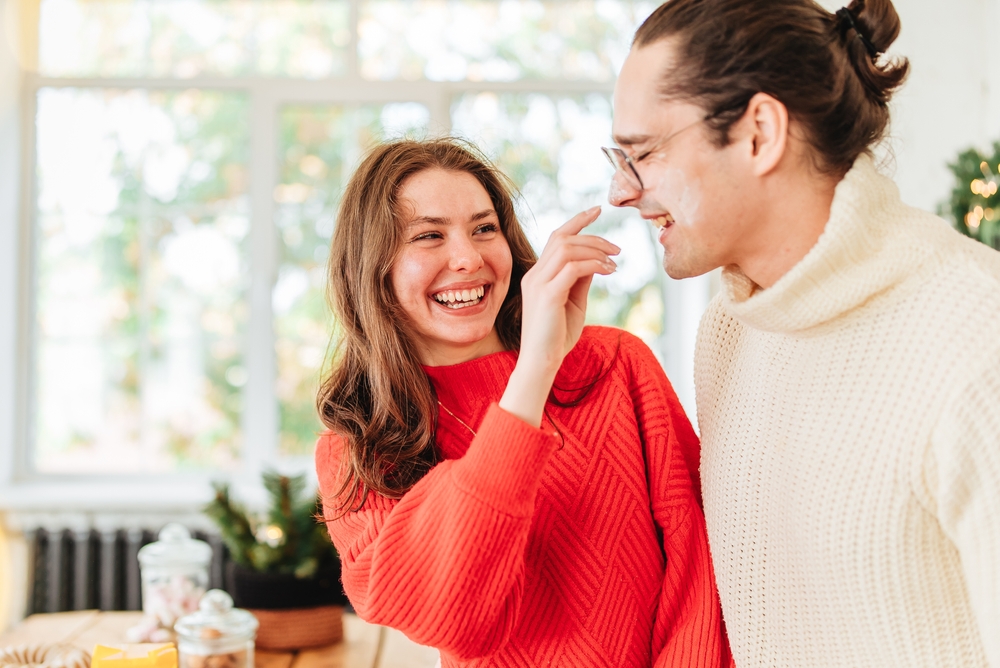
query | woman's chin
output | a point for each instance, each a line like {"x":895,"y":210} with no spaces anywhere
{"x":459,"y":344}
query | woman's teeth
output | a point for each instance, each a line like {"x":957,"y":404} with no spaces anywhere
{"x":662,"y":221}
{"x":455,"y":299}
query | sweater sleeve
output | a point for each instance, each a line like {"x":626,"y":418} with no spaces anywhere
{"x":688,"y":629}
{"x":445,"y":563}
{"x":963,"y":472}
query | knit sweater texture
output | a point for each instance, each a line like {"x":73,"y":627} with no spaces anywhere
{"x":850,"y":424}
{"x":526,"y":548}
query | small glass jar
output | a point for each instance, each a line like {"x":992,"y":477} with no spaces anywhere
{"x":217,"y":635}
{"x":174,"y":572}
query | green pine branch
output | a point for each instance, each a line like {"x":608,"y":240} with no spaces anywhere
{"x":234,"y":526}
{"x":974,"y":203}
{"x":304,"y":546}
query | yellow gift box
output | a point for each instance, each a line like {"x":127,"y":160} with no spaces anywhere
{"x":141,"y":655}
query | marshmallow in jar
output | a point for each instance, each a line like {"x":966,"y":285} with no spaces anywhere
{"x":217,"y":635}
{"x":174,"y":574}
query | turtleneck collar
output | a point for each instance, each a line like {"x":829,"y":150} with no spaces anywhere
{"x":853,"y":260}
{"x":470,"y":387}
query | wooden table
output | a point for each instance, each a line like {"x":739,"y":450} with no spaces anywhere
{"x":364,"y":646}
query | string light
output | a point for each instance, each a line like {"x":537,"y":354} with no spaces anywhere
{"x":980,"y":187}
{"x":270,"y":534}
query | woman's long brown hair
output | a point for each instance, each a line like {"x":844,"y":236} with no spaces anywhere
{"x":376,"y":396}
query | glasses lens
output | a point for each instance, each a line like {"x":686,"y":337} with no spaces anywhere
{"x":621,"y":164}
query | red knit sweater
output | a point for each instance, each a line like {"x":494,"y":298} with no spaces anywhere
{"x":522,"y":548}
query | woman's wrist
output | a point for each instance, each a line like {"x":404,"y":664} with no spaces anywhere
{"x":527,"y":391}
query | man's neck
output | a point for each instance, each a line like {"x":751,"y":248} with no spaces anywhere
{"x":789,"y":228}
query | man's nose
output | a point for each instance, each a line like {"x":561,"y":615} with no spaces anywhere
{"x":621,"y":192}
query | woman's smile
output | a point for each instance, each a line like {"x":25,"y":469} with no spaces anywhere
{"x":456,"y":298}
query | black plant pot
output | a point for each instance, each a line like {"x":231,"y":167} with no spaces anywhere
{"x":278,"y":591}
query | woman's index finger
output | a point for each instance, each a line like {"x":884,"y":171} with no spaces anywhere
{"x":576,"y":224}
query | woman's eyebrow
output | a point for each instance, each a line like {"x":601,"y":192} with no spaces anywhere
{"x":433,"y":220}
{"x":437,"y":220}
{"x":485,"y":213}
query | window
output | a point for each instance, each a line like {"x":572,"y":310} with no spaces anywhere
{"x":188,"y":157}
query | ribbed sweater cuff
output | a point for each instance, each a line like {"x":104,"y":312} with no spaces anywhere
{"x":504,"y":463}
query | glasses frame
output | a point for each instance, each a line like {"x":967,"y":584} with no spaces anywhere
{"x":624,"y":164}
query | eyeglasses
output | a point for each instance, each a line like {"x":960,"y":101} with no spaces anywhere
{"x":625,"y":165}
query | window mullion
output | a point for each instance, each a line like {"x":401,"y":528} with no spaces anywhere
{"x":28,"y":333}
{"x":440,"y":109}
{"x":260,"y":412}
{"x":353,"y":67}
{"x":17,"y":131}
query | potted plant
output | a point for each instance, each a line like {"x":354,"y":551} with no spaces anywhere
{"x":283,"y":567}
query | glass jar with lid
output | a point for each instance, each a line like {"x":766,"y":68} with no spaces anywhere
{"x":217,"y":635}
{"x":174,"y":573}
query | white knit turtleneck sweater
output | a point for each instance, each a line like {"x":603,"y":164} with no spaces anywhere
{"x":850,"y":423}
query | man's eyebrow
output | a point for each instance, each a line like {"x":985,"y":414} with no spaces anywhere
{"x":631,"y":140}
{"x":437,"y":220}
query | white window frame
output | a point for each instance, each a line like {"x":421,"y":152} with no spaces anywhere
{"x":87,"y":496}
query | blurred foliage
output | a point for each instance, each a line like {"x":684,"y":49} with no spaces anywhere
{"x":176,"y":165}
{"x":496,"y":40}
{"x":319,"y":145}
{"x":188,"y":38}
{"x":974,"y":205}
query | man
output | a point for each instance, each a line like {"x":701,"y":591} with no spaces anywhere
{"x":850,"y":438}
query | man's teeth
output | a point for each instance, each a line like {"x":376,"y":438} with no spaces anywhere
{"x":460,"y":298}
{"x":663,"y":220}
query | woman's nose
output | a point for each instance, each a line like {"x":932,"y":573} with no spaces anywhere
{"x":465,"y":256}
{"x":621,"y":192}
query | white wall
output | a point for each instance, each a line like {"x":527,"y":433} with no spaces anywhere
{"x":951,"y":100}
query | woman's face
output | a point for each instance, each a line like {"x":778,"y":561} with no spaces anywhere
{"x":452,"y":273}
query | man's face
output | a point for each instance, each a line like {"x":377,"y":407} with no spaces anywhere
{"x":691,"y":187}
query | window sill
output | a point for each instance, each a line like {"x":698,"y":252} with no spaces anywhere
{"x":108,"y":504}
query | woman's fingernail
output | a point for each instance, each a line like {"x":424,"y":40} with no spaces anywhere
{"x":594,"y":209}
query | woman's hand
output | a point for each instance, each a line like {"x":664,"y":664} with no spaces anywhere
{"x":554,"y":298}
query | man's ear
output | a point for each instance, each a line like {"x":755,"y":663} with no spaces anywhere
{"x":764,"y":127}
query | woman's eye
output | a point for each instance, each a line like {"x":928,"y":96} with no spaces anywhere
{"x":488,"y":227}
{"x":427,"y":235}
{"x":641,"y":157}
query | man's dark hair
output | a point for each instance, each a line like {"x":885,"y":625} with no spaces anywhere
{"x":827,"y":69}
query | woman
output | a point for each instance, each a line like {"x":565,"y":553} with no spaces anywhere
{"x":501,"y":483}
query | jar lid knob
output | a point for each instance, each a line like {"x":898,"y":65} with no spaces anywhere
{"x":216,"y":602}
{"x":174,"y":533}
